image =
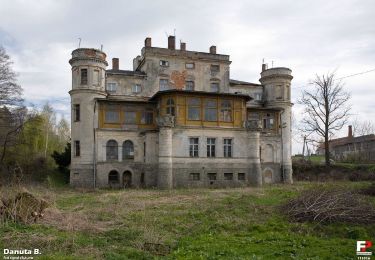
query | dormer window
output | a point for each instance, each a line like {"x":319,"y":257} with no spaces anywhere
{"x":111,"y":87}
{"x":164,"y":63}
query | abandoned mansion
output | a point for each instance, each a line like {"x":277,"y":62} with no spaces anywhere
{"x":177,"y":120}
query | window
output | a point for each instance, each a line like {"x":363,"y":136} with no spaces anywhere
{"x":147,"y":117}
{"x":111,"y":87}
{"x":214,"y":87}
{"x":113,"y":177}
{"x":195,"y":176}
{"x":210,"y":110}
{"x":112,"y":150}
{"x":268,"y":121}
{"x":83,"y":76}
{"x":258,"y":96}
{"x":128,"y":150}
{"x":241,"y":176}
{"x":77,"y":113}
{"x":194,"y":147}
{"x":228,"y":176}
{"x":211,"y":147}
{"x":194,"y":109}
{"x":164,"y":84}
{"x":164,"y":63}
{"x":227,"y":147}
{"x":77,"y":148}
{"x":211,"y":176}
{"x":95,"y":77}
{"x":112,"y":115}
{"x":189,"y":85}
{"x":226,"y":111}
{"x":170,"y":109}
{"x":136,"y":88}
{"x":130,"y":117}
{"x":189,"y":65}
{"x":215,"y":68}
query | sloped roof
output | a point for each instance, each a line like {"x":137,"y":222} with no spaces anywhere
{"x":239,"y":82}
{"x":126,"y":72}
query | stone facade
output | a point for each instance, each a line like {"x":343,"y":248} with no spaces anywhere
{"x":177,"y":120}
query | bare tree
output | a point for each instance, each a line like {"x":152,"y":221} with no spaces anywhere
{"x":10,"y":91}
{"x":326,"y":109}
{"x":362,"y":127}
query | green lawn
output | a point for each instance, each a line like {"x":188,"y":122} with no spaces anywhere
{"x":241,"y":223}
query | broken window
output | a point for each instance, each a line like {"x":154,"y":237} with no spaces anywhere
{"x":227,"y":147}
{"x":77,"y":148}
{"x":170,"y":108}
{"x":128,"y":150}
{"x":113,"y":177}
{"x":164,"y":84}
{"x":195,"y":176}
{"x":189,"y":85}
{"x":226,"y":111}
{"x":83,"y":76}
{"x":194,"y":147}
{"x":112,"y":150}
{"x":210,"y":110}
{"x":211,"y":147}
{"x":228,"y":176}
{"x":194,"y":109}
{"x":77,"y":113}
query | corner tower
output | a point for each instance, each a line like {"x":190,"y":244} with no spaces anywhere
{"x":277,"y":82}
{"x":88,"y":84}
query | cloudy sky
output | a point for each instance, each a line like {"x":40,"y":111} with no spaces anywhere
{"x":310,"y":37}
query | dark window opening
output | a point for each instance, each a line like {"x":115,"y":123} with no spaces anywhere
{"x":241,"y":176}
{"x":170,"y":109}
{"x":194,"y":147}
{"x":128,"y":150}
{"x":77,"y":148}
{"x":113,"y":177}
{"x":211,"y":176}
{"x":77,"y":113}
{"x":211,"y":147}
{"x":228,"y":176}
{"x":83,"y":76}
{"x":112,"y":150}
{"x":227,"y":147}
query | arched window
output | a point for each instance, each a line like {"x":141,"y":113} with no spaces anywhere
{"x":112,"y":150}
{"x":128,"y":150}
{"x":113,"y":177}
{"x":170,"y":107}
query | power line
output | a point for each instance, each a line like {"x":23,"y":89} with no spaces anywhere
{"x":348,"y":76}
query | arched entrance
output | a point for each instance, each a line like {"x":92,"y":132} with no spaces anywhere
{"x":113,"y":178}
{"x":127,"y":179}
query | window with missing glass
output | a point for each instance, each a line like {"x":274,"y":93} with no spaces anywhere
{"x":112,"y":115}
{"x":211,"y":176}
{"x":77,"y":113}
{"x":189,"y":85}
{"x":147,"y":117}
{"x":228,"y":142}
{"x":194,"y":147}
{"x":163,"y":84}
{"x":170,"y":107}
{"x":214,"y":87}
{"x":210,"y":110}
{"x":163,"y":63}
{"x":77,"y":148}
{"x":194,"y":109}
{"x":226,"y":111}
{"x":211,"y":147}
{"x":228,"y":176}
{"x":130,"y":117}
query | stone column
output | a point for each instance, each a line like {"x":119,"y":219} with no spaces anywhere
{"x":165,"y":173}
{"x":255,"y":177}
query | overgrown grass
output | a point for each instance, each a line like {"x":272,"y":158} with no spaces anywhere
{"x":241,"y":223}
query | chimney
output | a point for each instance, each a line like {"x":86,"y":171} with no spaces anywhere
{"x":171,"y":42}
{"x":148,"y":42}
{"x":213,"y":49}
{"x":115,"y":63}
{"x":183,"y":46}
{"x":264,"y":67}
{"x":350,"y":131}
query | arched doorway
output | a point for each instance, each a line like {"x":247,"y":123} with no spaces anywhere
{"x":127,"y":179}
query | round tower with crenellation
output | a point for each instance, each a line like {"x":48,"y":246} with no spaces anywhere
{"x":88,"y":84}
{"x":277,"y":90}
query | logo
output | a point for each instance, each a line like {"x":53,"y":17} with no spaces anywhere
{"x":362,"y":252}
